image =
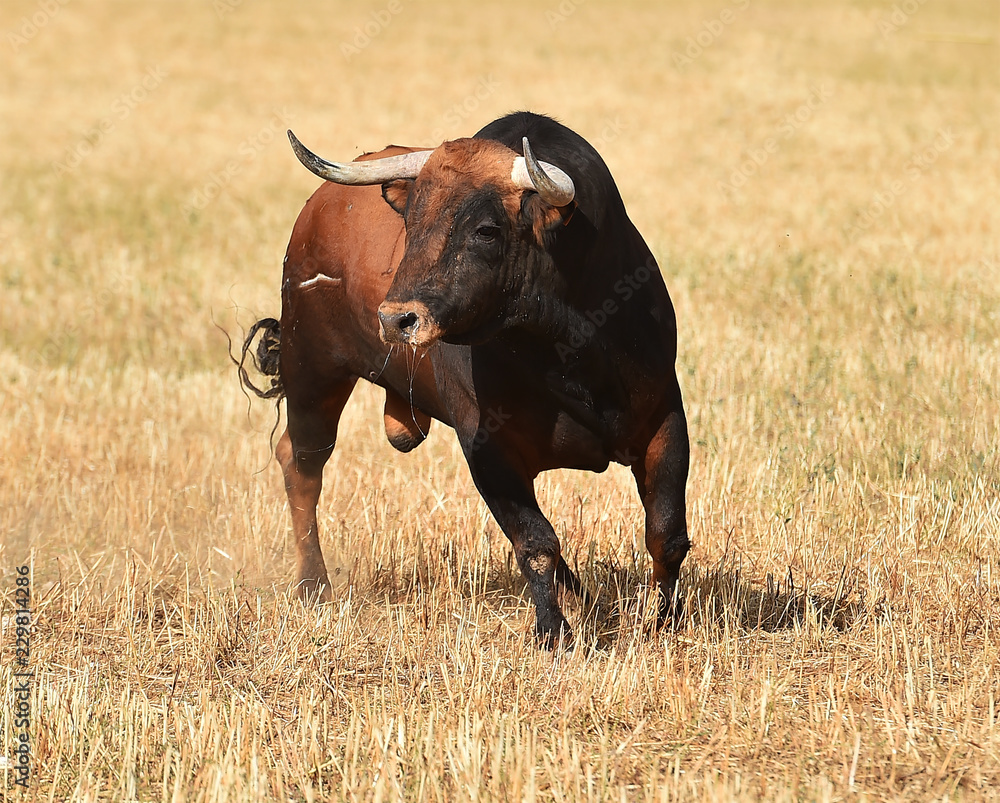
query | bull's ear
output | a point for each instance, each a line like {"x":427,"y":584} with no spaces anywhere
{"x":544,"y":217}
{"x":396,"y":192}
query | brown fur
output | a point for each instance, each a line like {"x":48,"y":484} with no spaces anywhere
{"x":476,"y":313}
{"x":405,"y":426}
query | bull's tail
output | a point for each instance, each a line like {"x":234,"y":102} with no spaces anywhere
{"x":264,"y":358}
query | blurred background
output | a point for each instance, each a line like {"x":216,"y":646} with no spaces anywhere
{"x":819,"y":182}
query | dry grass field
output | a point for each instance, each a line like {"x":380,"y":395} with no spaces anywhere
{"x":821,"y":185}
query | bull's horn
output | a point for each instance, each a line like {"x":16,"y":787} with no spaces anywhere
{"x":551,"y":183}
{"x":373,"y":171}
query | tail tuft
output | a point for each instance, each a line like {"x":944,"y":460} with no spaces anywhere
{"x":265,"y":358}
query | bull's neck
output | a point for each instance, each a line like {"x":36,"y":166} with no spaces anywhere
{"x":606,"y":314}
{"x":574,"y":294}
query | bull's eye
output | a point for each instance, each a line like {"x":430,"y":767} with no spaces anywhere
{"x":487,"y":232}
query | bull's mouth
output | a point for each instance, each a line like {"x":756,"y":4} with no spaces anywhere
{"x":473,"y":337}
{"x":409,"y":323}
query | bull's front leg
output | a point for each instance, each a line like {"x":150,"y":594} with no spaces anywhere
{"x":661,"y":477}
{"x":511,"y":499}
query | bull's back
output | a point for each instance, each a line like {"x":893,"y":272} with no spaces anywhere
{"x":343,"y":253}
{"x":340,"y":260}
{"x":350,"y":236}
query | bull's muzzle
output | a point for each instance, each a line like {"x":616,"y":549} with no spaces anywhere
{"x":407,"y":322}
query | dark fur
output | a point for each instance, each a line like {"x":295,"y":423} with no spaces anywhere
{"x":504,"y":290}
{"x":265,"y":358}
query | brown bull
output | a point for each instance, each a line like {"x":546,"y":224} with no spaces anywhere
{"x":543,"y":333}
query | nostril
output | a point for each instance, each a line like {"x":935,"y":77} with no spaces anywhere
{"x":407,"y":321}
{"x":399,"y":327}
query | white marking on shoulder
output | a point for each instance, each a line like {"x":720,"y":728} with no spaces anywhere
{"x":315,"y":280}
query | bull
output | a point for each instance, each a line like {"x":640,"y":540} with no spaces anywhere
{"x":495,"y":284}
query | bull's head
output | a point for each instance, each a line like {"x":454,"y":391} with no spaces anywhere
{"x":476,"y":216}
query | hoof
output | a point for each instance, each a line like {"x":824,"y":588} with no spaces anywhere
{"x":550,"y":637}
{"x":671,"y":615}
{"x":313,"y":592}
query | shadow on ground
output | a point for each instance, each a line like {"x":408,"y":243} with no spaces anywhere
{"x":621,"y":600}
{"x":718,"y":597}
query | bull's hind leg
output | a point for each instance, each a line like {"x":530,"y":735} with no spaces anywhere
{"x":302,"y":451}
{"x":661,"y":476}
